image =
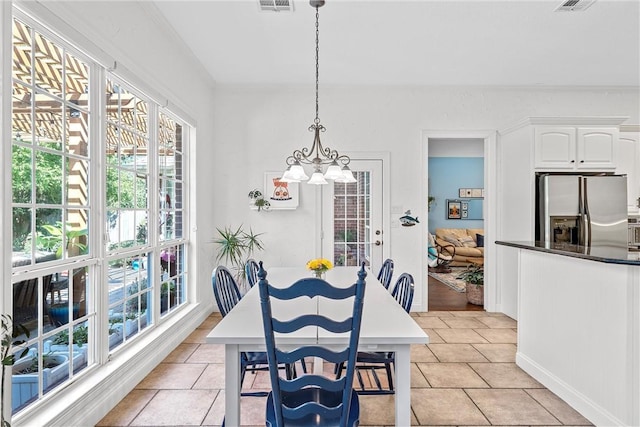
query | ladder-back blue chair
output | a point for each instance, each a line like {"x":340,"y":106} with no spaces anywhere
{"x":312,"y":400}
{"x":372,"y":361}
{"x":251,"y":271}
{"x":385,"y":273}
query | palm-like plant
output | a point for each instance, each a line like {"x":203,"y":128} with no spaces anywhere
{"x":236,"y":246}
{"x":52,"y":240}
{"x":9,"y":338}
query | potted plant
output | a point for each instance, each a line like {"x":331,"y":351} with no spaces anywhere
{"x":11,"y":336}
{"x":24,"y":383}
{"x":236,"y":246}
{"x":258,"y":200}
{"x":474,"y":278}
{"x":167,"y":295}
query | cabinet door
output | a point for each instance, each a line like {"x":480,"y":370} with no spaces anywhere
{"x":555,"y":147}
{"x":597,"y":148}
{"x":629,"y":164}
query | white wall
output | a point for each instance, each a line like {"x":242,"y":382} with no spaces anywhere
{"x":255,"y":128}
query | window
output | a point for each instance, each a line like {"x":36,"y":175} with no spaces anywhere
{"x":352,"y":223}
{"x":67,"y":255}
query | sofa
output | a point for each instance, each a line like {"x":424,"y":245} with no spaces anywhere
{"x":468,"y":243}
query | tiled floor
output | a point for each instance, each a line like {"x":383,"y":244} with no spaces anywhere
{"x":466,"y":376}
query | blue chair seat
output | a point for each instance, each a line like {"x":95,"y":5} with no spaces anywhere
{"x":317,"y":395}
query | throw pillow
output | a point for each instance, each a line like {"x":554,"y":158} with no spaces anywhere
{"x":480,"y":238}
{"x":453,"y":239}
{"x":468,"y":242}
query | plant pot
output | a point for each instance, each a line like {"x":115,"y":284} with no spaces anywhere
{"x":475,"y":294}
{"x":59,"y":313}
{"x":24,"y":387}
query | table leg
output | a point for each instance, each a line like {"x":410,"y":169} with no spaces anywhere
{"x":403,"y":385}
{"x":232,"y":385}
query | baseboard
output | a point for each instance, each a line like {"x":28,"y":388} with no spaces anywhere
{"x":581,"y":403}
{"x":87,"y":401}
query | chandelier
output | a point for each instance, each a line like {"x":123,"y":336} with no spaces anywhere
{"x":318,"y":156}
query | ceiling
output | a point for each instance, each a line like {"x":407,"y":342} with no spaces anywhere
{"x":396,"y":42}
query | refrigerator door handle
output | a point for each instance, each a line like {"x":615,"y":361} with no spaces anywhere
{"x":585,"y":213}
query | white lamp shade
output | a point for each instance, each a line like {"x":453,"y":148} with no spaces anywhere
{"x":296,"y":173}
{"x":333,"y":171}
{"x":317,"y":179}
{"x":346,"y":176}
{"x":288,"y":176}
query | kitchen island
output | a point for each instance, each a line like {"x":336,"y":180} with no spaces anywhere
{"x":579,"y":326}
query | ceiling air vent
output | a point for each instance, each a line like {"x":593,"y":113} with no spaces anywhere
{"x":575,"y":5}
{"x":276,"y":5}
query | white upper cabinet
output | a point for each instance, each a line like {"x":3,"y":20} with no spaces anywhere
{"x":572,"y":148}
{"x":629,"y":164}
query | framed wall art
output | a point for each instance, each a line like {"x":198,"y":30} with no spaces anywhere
{"x":454,"y":209}
{"x":281,"y":195}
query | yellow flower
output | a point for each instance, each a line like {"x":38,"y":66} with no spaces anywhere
{"x":319,"y":264}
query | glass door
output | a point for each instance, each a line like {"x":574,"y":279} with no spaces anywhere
{"x":352,"y":217}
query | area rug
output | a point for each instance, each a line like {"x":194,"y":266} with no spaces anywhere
{"x":450,"y":279}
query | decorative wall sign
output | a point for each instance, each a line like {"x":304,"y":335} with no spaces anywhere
{"x":407,"y":220}
{"x":471,"y":192}
{"x":281,"y":195}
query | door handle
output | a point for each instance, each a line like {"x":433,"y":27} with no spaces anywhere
{"x":378,"y":243}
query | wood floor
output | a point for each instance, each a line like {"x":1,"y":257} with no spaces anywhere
{"x":443,"y":298}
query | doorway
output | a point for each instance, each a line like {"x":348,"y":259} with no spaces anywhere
{"x":456,"y":174}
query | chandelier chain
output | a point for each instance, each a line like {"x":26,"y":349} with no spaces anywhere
{"x":317,"y":119}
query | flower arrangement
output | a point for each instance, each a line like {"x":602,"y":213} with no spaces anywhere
{"x":319,"y":266}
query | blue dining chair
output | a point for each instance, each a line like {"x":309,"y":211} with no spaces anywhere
{"x":385,"y":273}
{"x":251,"y":272}
{"x":372,"y":361}
{"x":227,"y":295}
{"x":311,"y":400}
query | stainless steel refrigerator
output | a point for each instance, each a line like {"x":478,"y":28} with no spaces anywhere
{"x":582,"y":209}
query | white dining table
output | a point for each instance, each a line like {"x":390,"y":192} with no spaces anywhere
{"x":385,"y":327}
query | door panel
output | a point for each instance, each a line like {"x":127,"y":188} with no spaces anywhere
{"x":352,"y":217}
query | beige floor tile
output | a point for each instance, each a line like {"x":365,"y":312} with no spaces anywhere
{"x":504,"y":375}
{"x":128,"y":408}
{"x":212,"y":377}
{"x":514,"y":407}
{"x":172,"y":376}
{"x":430,"y":322}
{"x":433,"y":335}
{"x":456,"y":353}
{"x":417,"y":378}
{"x":460,"y":336}
{"x":161,"y":410}
{"x":502,"y":336}
{"x":464,"y":322}
{"x":216,"y":412}
{"x":377,"y":410}
{"x":197,"y":336}
{"x":498,"y":352}
{"x":435,"y":314}
{"x":558,"y":407}
{"x":422,"y":353}
{"x":474,"y":313}
{"x":498,"y":322}
{"x":451,"y":375}
{"x":181,"y":353}
{"x":207,"y":353}
{"x":211,"y":321}
{"x":445,"y":407}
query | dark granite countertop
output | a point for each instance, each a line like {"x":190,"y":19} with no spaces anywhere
{"x":599,"y":253}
